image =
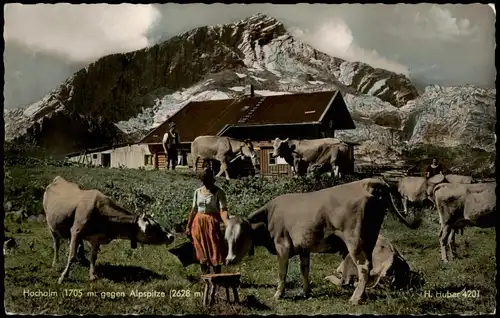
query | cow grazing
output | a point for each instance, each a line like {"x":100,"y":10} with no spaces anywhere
{"x":415,"y":191}
{"x":461,"y":205}
{"x":316,"y":153}
{"x":77,"y":214}
{"x":345,"y":218}
{"x":387,"y":263}
{"x":222,"y":149}
{"x":334,"y":157}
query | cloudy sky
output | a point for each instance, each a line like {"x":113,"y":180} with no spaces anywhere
{"x":432,"y":44}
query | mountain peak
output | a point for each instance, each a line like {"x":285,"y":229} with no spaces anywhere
{"x":260,"y":17}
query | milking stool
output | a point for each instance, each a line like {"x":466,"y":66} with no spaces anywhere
{"x":226,"y":280}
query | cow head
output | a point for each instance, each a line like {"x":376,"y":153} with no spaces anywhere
{"x":238,"y":236}
{"x":150,"y":232}
{"x":248,"y":151}
{"x":380,"y":188}
{"x":241,"y":237}
{"x":282,"y":148}
{"x":388,"y":266}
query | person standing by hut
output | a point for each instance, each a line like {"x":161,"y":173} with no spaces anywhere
{"x":208,"y":209}
{"x":434,"y":168}
{"x":171,"y":142}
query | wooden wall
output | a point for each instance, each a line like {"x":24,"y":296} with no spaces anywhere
{"x":272,"y":170}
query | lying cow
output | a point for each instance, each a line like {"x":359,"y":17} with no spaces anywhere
{"x":387,"y":263}
{"x":222,"y":149}
{"x":313,"y":152}
{"x":344,"y":217}
{"x":415,"y":191}
{"x":77,"y":214}
{"x":461,"y":205}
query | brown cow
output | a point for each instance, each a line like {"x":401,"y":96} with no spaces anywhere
{"x":77,"y":214}
{"x":222,"y":149}
{"x":461,"y":205}
{"x":344,"y":217}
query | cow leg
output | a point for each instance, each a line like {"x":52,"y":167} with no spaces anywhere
{"x":452,"y":247}
{"x":223,"y":168}
{"x":336,"y":171}
{"x":282,"y":255}
{"x":444,"y":233}
{"x":296,"y":166}
{"x":195,"y":164}
{"x":405,"y":205}
{"x":56,"y":240}
{"x":81,"y":253}
{"x":93,"y":258}
{"x":364,"y":266}
{"x":71,"y":254}
{"x":305,"y":262}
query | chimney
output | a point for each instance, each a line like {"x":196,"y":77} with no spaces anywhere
{"x":250,"y":91}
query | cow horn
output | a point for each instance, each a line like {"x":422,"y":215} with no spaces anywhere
{"x":286,"y":139}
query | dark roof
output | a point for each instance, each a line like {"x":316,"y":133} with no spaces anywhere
{"x":201,"y":118}
{"x":271,"y":131}
{"x":292,"y":108}
{"x":211,"y":117}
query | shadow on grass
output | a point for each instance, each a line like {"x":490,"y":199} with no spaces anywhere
{"x":122,"y":273}
{"x":288,"y":285}
{"x":257,"y":285}
{"x":252,"y":302}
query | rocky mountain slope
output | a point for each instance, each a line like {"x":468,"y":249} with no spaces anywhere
{"x":124,"y":95}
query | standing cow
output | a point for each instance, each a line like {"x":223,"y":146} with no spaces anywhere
{"x":316,"y":153}
{"x":77,"y":214}
{"x":346,"y":217}
{"x":415,"y":191}
{"x":461,"y":205}
{"x":222,"y":149}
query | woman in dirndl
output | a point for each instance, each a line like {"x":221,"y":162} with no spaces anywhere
{"x":208,"y":209}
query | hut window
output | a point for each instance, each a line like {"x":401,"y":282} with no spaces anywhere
{"x":94,"y":156}
{"x":272,"y":161}
{"x":148,"y":160}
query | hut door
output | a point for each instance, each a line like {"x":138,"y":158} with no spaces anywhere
{"x":106,"y":159}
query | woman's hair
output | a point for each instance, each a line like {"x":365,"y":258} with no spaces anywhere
{"x":208,"y":180}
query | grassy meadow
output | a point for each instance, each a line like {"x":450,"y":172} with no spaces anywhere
{"x":153,"y":269}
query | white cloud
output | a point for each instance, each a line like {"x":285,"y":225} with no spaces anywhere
{"x":335,"y":38}
{"x":433,"y":23}
{"x":81,"y":32}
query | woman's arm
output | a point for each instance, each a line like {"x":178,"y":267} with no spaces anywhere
{"x":192,"y":213}
{"x":223,"y":206}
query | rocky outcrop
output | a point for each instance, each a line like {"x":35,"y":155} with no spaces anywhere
{"x":456,"y":124}
{"x":388,"y":86}
{"x":452,"y":116}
